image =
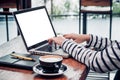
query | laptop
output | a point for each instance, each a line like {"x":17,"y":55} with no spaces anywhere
{"x":36,"y":28}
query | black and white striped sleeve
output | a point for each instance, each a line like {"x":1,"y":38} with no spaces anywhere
{"x":102,"y":61}
{"x":98,"y":42}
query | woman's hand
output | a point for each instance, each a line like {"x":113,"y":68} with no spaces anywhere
{"x":79,"y":38}
{"x":58,"y":40}
{"x":75,"y":37}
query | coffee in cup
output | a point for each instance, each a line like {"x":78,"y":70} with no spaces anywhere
{"x":50,"y":63}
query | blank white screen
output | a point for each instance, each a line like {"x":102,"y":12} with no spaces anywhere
{"x":35,"y":26}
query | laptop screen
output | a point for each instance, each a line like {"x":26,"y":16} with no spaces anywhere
{"x":35,"y":25}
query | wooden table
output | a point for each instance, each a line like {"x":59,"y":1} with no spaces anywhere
{"x":75,"y":70}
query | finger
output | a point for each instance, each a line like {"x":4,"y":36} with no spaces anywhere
{"x":50,"y":41}
{"x":67,"y":36}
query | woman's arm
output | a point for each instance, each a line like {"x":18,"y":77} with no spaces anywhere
{"x":92,"y":41}
{"x":104,"y":60}
{"x":99,"y":43}
{"x":99,"y":61}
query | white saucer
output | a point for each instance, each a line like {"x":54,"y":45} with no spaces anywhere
{"x":38,"y":69}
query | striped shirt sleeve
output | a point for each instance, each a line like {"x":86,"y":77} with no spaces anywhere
{"x":98,"y":42}
{"x":105,"y":60}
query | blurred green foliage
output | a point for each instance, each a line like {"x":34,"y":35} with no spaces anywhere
{"x":116,"y":7}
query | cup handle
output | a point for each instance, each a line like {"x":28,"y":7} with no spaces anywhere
{"x":56,"y":66}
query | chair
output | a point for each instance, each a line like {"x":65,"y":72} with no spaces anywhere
{"x":6,"y":5}
{"x":94,"y":7}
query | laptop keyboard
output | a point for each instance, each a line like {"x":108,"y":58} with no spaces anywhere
{"x":47,"y":48}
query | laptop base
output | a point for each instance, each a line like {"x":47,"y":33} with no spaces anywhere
{"x":57,"y":52}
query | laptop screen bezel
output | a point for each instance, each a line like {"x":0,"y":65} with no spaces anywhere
{"x":20,"y":31}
